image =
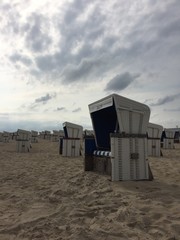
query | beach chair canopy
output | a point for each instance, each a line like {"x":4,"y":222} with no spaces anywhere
{"x":117,"y":114}
{"x":154,"y":130}
{"x":169,"y":133}
{"x":23,"y":134}
{"x":72,"y":130}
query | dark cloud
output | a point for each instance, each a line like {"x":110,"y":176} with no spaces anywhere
{"x":16,"y":57}
{"x":25,"y":27}
{"x":39,"y":102}
{"x":154,"y":34}
{"x":49,"y":62}
{"x":37,"y":37}
{"x":83,"y":71}
{"x":91,"y":47}
{"x":146,"y":101}
{"x":165,"y":100}
{"x":140,"y":43}
{"x":45,"y":99}
{"x":89,"y":62}
{"x":77,"y":109}
{"x":120,"y":82}
{"x":170,"y":30}
{"x":74,"y":9}
{"x":74,"y":34}
{"x":35,"y":73}
{"x":60,"y":108}
{"x":9,"y":25}
{"x":95,"y":33}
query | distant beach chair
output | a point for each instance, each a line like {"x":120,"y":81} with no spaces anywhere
{"x":23,"y":140}
{"x":70,"y":144}
{"x":14,"y":135}
{"x":6,"y":137}
{"x":34,"y":136}
{"x":168,"y":138}
{"x":154,"y":132}
{"x":55,"y":136}
{"x":47,"y":135}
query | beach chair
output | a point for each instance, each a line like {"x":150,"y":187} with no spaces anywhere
{"x":70,"y":144}
{"x":47,"y":135}
{"x":55,"y":136}
{"x":168,"y":139}
{"x":120,"y":149}
{"x":6,"y":137}
{"x":23,"y":140}
{"x":154,"y":132}
{"x":34,"y":136}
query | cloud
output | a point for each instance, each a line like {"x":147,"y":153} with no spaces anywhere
{"x":16,"y":57}
{"x":77,"y":109}
{"x":76,"y":59}
{"x":173,"y":110}
{"x":37,"y":37}
{"x":74,"y":10}
{"x":49,"y":62}
{"x":9,"y":25}
{"x":83,"y":71}
{"x":45,"y":99}
{"x":120,"y":82}
{"x":6,"y":7}
{"x":60,"y":108}
{"x":90,"y":42}
{"x":39,"y":101}
{"x":99,"y":51}
{"x":171,"y":29}
{"x":165,"y":100}
{"x":146,"y":101}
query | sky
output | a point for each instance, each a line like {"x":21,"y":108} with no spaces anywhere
{"x":57,"y":57}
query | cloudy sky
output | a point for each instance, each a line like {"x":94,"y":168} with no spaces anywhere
{"x":56,"y":57}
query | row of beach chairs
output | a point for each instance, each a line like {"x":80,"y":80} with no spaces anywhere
{"x":119,"y":144}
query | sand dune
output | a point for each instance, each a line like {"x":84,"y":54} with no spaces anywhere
{"x":45,"y":196}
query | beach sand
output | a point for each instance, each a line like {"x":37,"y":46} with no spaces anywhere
{"x":45,"y":196}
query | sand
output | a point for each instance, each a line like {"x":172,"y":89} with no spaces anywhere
{"x":45,"y":196}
